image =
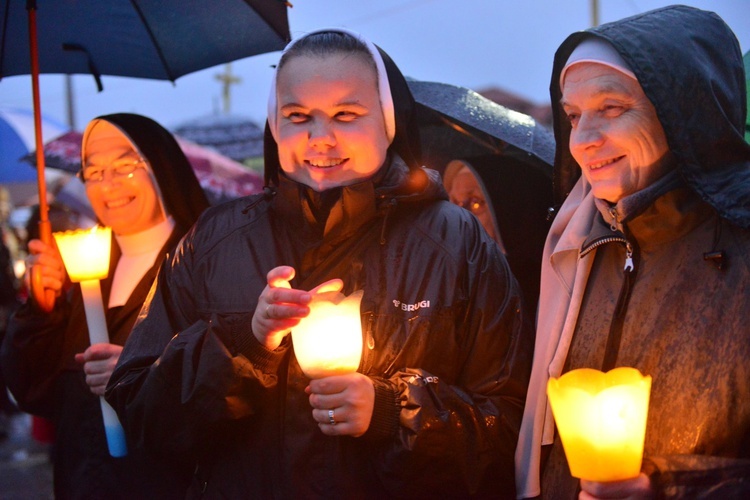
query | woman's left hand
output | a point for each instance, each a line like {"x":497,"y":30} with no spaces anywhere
{"x":638,"y":488}
{"x":99,"y":362}
{"x":348,"y":400}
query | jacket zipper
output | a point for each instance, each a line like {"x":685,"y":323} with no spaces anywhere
{"x":629,"y":266}
{"x":614,"y":336}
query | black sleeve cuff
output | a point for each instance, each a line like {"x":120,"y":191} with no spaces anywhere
{"x":237,"y":334}
{"x":386,"y":411}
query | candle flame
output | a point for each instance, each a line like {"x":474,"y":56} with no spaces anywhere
{"x":85,"y":253}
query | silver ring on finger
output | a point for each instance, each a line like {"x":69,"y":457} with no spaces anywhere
{"x":268,"y":313}
{"x":331,"y":420}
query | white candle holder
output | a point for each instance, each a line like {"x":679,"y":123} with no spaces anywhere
{"x":85,"y":254}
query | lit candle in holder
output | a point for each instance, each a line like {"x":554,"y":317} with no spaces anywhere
{"x":329,"y":340}
{"x":85,"y":254}
{"x":601,"y":418}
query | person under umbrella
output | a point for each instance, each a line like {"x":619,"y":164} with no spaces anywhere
{"x":210,"y":369}
{"x":511,"y":200}
{"x":140,"y":184}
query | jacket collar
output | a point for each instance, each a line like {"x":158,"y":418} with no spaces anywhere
{"x":337,"y":213}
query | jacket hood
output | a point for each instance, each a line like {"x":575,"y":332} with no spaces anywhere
{"x":405,"y":144}
{"x":181,"y":193}
{"x":689,"y":64}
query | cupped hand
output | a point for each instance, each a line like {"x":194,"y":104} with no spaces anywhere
{"x":638,"y":488}
{"x":99,"y":361}
{"x":48,"y":260}
{"x":281,"y":307}
{"x":351,"y":397}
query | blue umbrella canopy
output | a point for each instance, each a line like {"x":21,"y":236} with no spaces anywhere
{"x":17,"y":140}
{"x":157,"y":39}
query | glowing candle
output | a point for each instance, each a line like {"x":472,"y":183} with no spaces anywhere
{"x":601,"y":418}
{"x":329,"y":340}
{"x":85,"y":254}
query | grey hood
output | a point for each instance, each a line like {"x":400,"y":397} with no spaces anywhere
{"x":690,"y":66}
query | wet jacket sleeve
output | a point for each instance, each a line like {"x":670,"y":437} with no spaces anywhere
{"x":698,"y":476}
{"x":459,"y":437}
{"x":32,"y":355}
{"x":183,"y":375}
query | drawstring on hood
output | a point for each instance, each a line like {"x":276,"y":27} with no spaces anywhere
{"x":389,"y":206}
{"x":267,"y":195}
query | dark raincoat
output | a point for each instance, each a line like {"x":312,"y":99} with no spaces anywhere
{"x":445,"y":342}
{"x":38,"y":352}
{"x":681,"y":314}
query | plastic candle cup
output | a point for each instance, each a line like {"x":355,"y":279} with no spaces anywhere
{"x":329,"y":340}
{"x":601,"y":418}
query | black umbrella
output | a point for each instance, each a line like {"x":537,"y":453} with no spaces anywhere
{"x":455,"y":119}
{"x":511,"y":154}
{"x":157,"y":39}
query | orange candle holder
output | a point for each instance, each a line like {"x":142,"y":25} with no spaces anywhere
{"x":329,"y":340}
{"x":601,"y":418}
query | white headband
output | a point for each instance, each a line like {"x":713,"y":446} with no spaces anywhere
{"x":596,"y":50}
{"x":386,"y":99}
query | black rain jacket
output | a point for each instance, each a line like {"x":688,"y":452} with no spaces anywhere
{"x":445,"y":346}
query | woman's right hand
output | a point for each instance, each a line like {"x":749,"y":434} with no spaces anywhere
{"x":47,"y":259}
{"x":281,"y":307}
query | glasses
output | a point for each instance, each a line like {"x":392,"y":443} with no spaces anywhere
{"x":474,"y":205}
{"x":120,"y":168}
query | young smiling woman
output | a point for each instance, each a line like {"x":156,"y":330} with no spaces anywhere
{"x":347,"y":205}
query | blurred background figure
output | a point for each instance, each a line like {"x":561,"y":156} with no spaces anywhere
{"x":510,"y":198}
{"x":8,"y":298}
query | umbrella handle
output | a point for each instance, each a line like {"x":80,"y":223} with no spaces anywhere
{"x":44,"y":297}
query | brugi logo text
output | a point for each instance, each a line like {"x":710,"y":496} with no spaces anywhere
{"x":411,"y":307}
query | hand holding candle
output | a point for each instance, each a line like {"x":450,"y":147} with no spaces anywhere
{"x":99,"y":361}
{"x":601,"y":418}
{"x":86,"y":257}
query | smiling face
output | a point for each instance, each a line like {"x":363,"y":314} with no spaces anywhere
{"x":127,"y":203}
{"x":616,"y":137}
{"x":331,"y":130}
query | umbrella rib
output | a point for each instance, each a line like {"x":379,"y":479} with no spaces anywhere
{"x":166,"y":67}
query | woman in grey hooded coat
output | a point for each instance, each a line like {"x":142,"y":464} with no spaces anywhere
{"x":656,"y":278}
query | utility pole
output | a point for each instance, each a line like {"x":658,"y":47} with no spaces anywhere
{"x":70,"y":101}
{"x":594,"y":13}
{"x":227,"y":79}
